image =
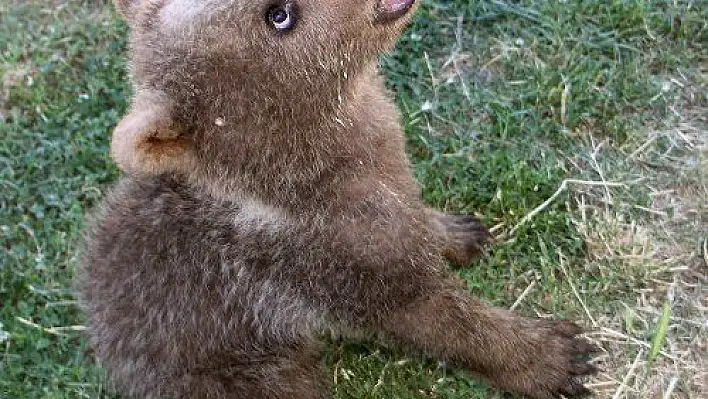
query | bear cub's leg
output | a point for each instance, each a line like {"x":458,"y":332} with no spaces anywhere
{"x":293,"y":374}
{"x":541,"y":358}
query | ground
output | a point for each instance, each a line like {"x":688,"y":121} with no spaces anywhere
{"x":577,"y":130}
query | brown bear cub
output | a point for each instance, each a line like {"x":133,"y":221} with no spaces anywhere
{"x":268,"y":201}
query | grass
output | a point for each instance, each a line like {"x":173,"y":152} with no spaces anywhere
{"x":577,"y":129}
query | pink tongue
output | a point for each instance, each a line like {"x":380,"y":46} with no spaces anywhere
{"x":394,"y":5}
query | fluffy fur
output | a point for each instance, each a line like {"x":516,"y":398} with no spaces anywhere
{"x":267,"y":200}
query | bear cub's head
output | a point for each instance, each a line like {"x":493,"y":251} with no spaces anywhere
{"x":199,"y":65}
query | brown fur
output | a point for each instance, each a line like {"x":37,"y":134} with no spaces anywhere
{"x":267,"y":201}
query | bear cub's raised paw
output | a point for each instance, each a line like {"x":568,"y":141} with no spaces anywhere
{"x":465,"y":236}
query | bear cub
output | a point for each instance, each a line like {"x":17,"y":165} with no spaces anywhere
{"x":267,"y":201}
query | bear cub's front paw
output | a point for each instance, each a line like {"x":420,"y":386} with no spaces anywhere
{"x":465,"y":236}
{"x":553,"y":365}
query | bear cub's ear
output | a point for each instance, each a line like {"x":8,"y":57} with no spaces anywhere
{"x":148,"y":141}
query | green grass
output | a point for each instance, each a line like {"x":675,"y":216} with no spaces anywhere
{"x":501,"y":101}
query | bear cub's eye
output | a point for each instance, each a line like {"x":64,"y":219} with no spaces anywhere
{"x":281,"y":17}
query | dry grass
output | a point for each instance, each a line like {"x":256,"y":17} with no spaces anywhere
{"x":664,"y":245}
